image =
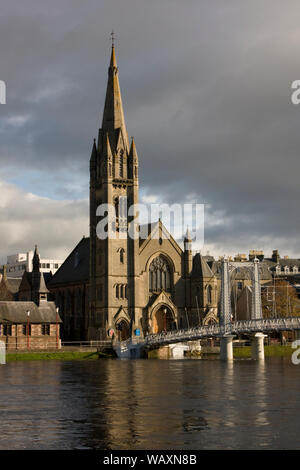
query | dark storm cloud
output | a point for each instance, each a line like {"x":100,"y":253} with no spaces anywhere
{"x":206,"y":92}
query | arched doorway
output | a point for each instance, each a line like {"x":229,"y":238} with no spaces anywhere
{"x":123,"y":330}
{"x":162,"y":320}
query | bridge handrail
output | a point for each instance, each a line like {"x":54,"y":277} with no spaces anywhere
{"x":203,"y":331}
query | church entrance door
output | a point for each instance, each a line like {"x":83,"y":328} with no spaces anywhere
{"x":163,"y":320}
{"x":123,"y":330}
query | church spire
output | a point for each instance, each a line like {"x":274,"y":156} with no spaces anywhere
{"x":36,"y":260}
{"x":133,"y":152}
{"x":113,"y":114}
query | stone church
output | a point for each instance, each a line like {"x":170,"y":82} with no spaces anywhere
{"x":122,"y":286}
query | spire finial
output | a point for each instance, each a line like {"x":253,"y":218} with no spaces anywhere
{"x":112,"y":34}
{"x":187,"y":234}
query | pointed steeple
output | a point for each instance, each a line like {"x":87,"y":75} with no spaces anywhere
{"x":188,"y":254}
{"x":107,"y":153}
{"x":94,"y":152}
{"x":133,"y":153}
{"x":42,"y":287}
{"x":187,"y":237}
{"x":113,"y":115}
{"x":36,"y":260}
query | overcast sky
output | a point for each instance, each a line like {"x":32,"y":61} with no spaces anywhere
{"x":206,"y":87}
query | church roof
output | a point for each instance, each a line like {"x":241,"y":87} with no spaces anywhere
{"x":5,"y":293}
{"x":46,"y":279}
{"x":13,"y":284}
{"x":76,"y":267}
{"x":200,"y":267}
{"x":16,"y":312}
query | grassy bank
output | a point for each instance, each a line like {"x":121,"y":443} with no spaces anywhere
{"x":57,"y":355}
{"x":270,"y":351}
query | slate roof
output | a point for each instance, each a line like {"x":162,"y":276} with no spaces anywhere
{"x":76,"y":268}
{"x":214,"y":268}
{"x":47,"y":277}
{"x":16,"y":312}
{"x":200,"y":267}
{"x":264,"y":273}
{"x":13,"y":284}
{"x":290,"y":262}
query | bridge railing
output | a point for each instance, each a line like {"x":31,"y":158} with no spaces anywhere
{"x":198,"y":332}
{"x":183,"y":335}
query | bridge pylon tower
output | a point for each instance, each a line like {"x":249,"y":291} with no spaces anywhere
{"x":228,"y":267}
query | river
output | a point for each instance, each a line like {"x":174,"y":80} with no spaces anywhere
{"x":150,"y":404}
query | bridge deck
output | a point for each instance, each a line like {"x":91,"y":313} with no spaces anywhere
{"x":191,"y":334}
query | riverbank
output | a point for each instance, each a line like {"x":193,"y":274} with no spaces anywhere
{"x":238,"y":353}
{"x":244,"y":352}
{"x":56,"y":355}
{"x":270,"y":351}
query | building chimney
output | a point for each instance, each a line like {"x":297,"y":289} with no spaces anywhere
{"x":275,"y":256}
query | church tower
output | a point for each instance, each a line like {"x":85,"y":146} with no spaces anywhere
{"x":114,"y":256}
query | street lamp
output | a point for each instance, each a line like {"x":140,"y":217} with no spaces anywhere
{"x":57,"y":310}
{"x":28,"y":316}
{"x":165,"y":317}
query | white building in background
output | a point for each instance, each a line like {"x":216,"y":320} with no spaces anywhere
{"x":17,"y":264}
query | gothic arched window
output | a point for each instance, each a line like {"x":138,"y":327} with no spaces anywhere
{"x":116,"y":204}
{"x":159,"y":275}
{"x":209,"y":294}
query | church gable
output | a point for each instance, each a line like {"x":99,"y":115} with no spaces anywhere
{"x":121,"y":315}
{"x":159,"y":239}
{"x":163,"y":298}
{"x":120,"y":144}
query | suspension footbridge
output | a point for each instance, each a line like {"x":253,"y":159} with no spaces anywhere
{"x":256,"y":327}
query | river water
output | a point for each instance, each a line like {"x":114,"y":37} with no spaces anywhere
{"x":150,"y":404}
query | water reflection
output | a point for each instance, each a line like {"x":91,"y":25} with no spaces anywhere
{"x":186,"y":404}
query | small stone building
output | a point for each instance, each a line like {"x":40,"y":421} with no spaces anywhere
{"x":25,"y":325}
{"x":31,"y":322}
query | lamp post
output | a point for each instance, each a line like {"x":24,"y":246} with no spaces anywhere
{"x":57,"y":310}
{"x":165,"y":318}
{"x":28,"y":316}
